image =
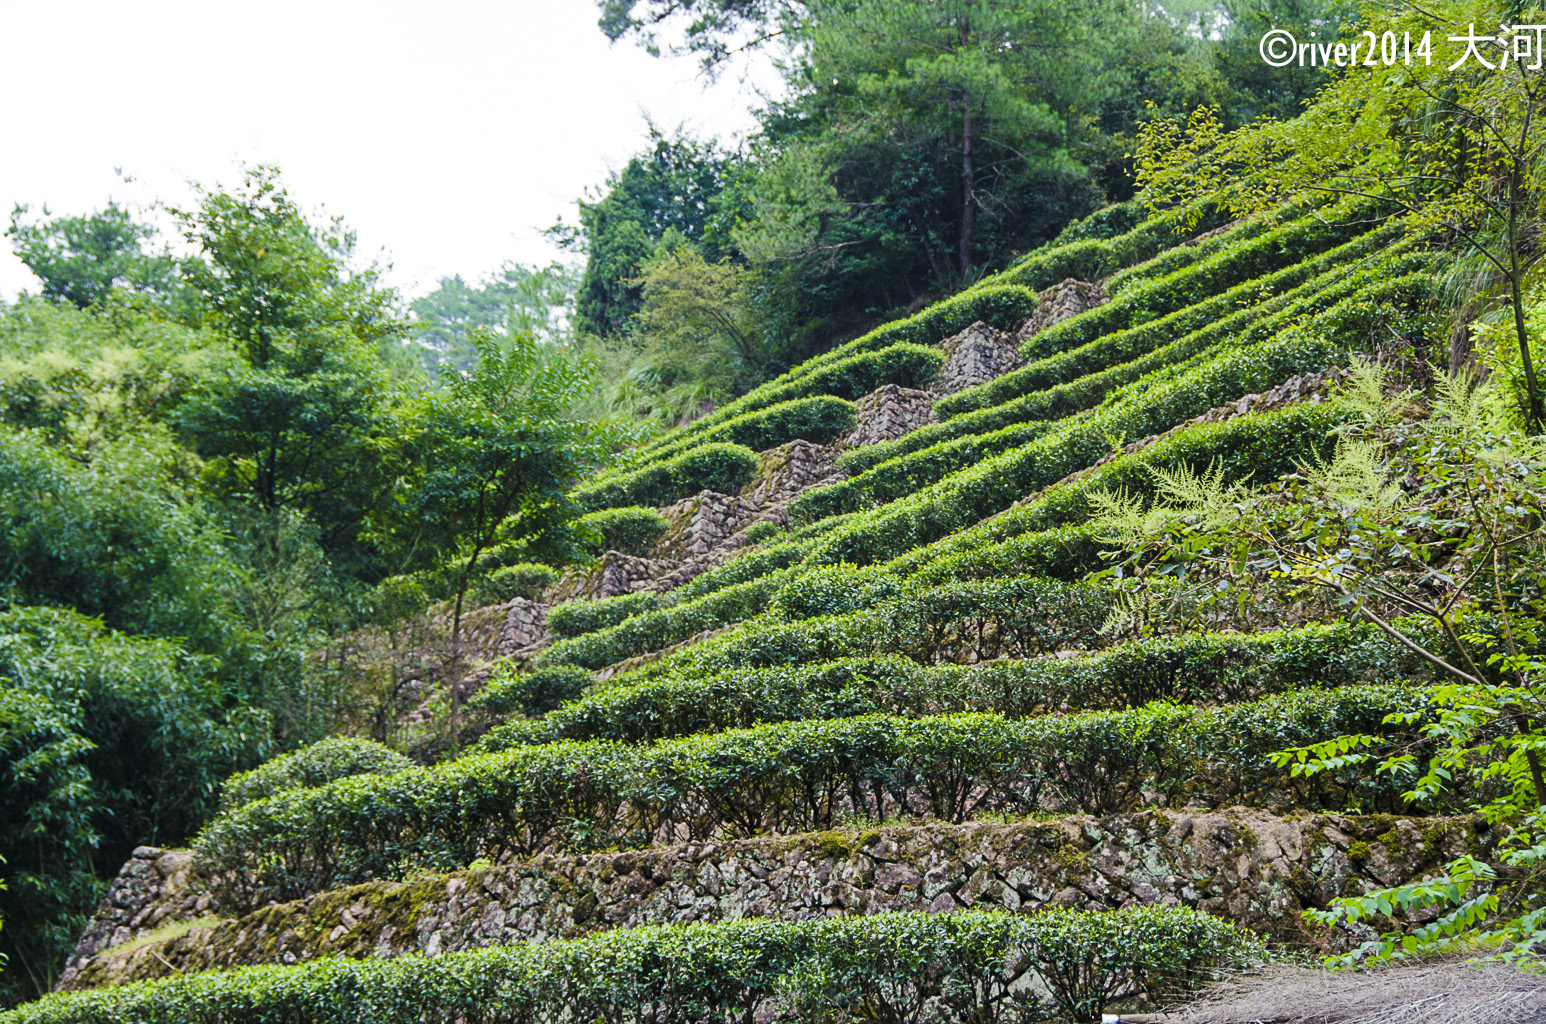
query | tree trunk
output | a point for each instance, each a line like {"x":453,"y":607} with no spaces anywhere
{"x":968,"y":193}
{"x":1534,"y":416}
{"x":453,"y":675}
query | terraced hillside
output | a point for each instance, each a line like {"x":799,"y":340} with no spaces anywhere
{"x":845,"y":655}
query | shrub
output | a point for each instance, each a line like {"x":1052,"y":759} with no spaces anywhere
{"x":994,"y":484}
{"x":724,"y":468}
{"x":844,"y":612}
{"x":835,"y":590}
{"x":1089,"y":256}
{"x":574,"y":618}
{"x":756,"y":533}
{"x":630,"y":529}
{"x":1051,"y":387}
{"x":1244,"y":259}
{"x":526,"y":579}
{"x":967,"y":965}
{"x":906,"y":475}
{"x":1187,"y":253}
{"x":530,"y":693}
{"x":669,"y":624}
{"x":994,"y":549}
{"x":858,"y":372}
{"x":337,"y":757}
{"x":1005,"y":306}
{"x":1107,"y":222}
{"x":820,"y":419}
{"x":1163,"y":312}
{"x":1196,"y":668}
{"x":680,"y":705}
{"x":790,"y":777}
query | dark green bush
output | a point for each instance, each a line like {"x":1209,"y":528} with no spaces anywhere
{"x":630,"y":529}
{"x":756,"y":533}
{"x":969,"y":496}
{"x":1091,"y":254}
{"x":666,"y":625}
{"x":820,"y":419}
{"x":107,"y":742}
{"x":724,"y":468}
{"x":856,"y":374}
{"x":574,"y":618}
{"x":525,"y":579}
{"x":1107,"y":222}
{"x":337,"y":757}
{"x":963,"y":966}
{"x":530,"y":693}
{"x":1167,"y":309}
{"x":1214,"y":667}
{"x":992,"y":549}
{"x":790,"y":777}
{"x":987,"y":301}
{"x":836,"y":590}
{"x":960,"y":620}
{"x":1050,"y":395}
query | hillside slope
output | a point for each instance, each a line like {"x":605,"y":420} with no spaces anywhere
{"x":846,"y":656}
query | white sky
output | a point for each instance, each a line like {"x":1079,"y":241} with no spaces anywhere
{"x":447,"y":133}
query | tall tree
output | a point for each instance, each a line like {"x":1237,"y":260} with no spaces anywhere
{"x":991,"y":82}
{"x":671,"y":187}
{"x":495,"y":455}
{"x":305,"y":422}
{"x":82,"y":259}
{"x":515,"y":299}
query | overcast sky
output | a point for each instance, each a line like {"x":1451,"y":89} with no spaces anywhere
{"x":447,"y":133}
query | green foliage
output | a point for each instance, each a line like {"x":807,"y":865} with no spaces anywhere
{"x":1065,"y":962}
{"x":573,"y":618}
{"x":842,"y":612}
{"x":749,"y":782}
{"x":530,"y":693}
{"x":515,"y":299}
{"x":854,"y":376}
{"x":820,"y":419}
{"x":524,"y":579}
{"x":699,"y":325}
{"x":89,"y":377}
{"x":113,"y":538}
{"x":1187,"y":667}
{"x":1089,"y":254}
{"x":1051,"y":388}
{"x":304,"y":420}
{"x":336,"y":757}
{"x":719,"y":467}
{"x":1452,"y":145}
{"x":661,"y":626}
{"x":1430,"y":517}
{"x":107,"y":742}
{"x":764,"y":530}
{"x":630,"y":529}
{"x":81,"y":260}
{"x":1190,"y":299}
{"x":992,"y":485}
{"x":671,"y":188}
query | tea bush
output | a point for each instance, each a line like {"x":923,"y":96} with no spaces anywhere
{"x":960,"y":966}
{"x":630,"y":529}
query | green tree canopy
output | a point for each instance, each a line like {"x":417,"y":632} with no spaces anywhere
{"x":674,"y":186}
{"x":82,"y":259}
{"x":305,"y":421}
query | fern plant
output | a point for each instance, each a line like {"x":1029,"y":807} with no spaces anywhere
{"x":1421,"y":515}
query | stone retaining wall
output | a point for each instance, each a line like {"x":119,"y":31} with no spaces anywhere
{"x":1246,"y":865}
